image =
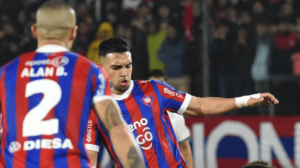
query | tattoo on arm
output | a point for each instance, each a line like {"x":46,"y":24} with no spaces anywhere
{"x":112,"y":115}
{"x":134,"y":159}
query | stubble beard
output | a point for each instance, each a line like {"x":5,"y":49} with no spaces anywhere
{"x":121,"y":89}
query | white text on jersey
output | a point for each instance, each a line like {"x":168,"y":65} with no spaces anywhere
{"x":55,"y":143}
{"x":89,"y":131}
{"x":43,"y":72}
{"x":147,"y":136}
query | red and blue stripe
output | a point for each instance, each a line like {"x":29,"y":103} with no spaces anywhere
{"x":72,"y":111}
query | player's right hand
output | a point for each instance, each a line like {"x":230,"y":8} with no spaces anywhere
{"x":265,"y":98}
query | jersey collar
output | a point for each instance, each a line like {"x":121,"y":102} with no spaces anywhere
{"x":125,"y":94}
{"x":51,"y":48}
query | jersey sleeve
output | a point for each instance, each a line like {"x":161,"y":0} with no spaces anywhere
{"x":91,"y":140}
{"x":174,"y":100}
{"x":101,"y":84}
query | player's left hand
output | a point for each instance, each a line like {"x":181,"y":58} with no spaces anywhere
{"x":265,"y":98}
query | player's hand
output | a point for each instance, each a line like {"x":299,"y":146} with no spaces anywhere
{"x":265,"y":98}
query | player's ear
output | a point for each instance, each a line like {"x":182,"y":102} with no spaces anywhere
{"x":73,"y":33}
{"x":33,"y":31}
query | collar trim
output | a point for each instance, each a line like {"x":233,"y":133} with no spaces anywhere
{"x":49,"y":48}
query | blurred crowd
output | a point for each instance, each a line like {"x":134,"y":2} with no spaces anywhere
{"x":253,"y":44}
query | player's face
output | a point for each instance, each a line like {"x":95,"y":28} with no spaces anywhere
{"x":119,"y":68}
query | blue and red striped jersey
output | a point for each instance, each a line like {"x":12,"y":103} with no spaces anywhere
{"x":144,"y":107}
{"x":46,"y":98}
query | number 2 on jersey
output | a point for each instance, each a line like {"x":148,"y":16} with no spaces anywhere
{"x":33,"y":124}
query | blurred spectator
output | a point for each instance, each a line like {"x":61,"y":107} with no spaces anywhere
{"x":297,"y":26}
{"x":21,"y":21}
{"x":245,"y":18}
{"x":131,"y":4}
{"x":284,"y":43}
{"x":143,"y":12}
{"x":124,"y":31}
{"x":9,"y":30}
{"x":231,"y":15}
{"x":139,"y":48}
{"x":220,"y":10}
{"x":296,"y":55}
{"x":81,"y":11}
{"x":28,"y":43}
{"x":83,"y":17}
{"x":244,"y":6}
{"x":259,"y":13}
{"x":221,"y":62}
{"x":104,"y":32}
{"x":232,"y":20}
{"x":243,"y":55}
{"x":286,"y":12}
{"x":177,"y":14}
{"x":163,"y":15}
{"x":10,"y":49}
{"x":172,"y":54}
{"x":81,"y":42}
{"x":111,"y":13}
{"x":1,"y":10}
{"x":260,"y":67}
{"x":154,"y":40}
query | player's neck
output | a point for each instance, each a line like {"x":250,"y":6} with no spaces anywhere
{"x":53,"y":42}
{"x":118,"y":92}
{"x":121,"y":92}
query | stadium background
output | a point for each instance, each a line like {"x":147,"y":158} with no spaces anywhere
{"x":250,"y":46}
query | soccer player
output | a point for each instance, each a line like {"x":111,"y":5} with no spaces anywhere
{"x":181,"y":131}
{"x":46,"y":97}
{"x":144,"y":104}
{"x":258,"y":164}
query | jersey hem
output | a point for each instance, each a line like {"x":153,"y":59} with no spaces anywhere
{"x":92,"y":147}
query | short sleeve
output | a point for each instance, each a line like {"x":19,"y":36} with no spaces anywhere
{"x":181,"y":130}
{"x":174,"y":100}
{"x":101,"y":84}
{"x":91,"y":140}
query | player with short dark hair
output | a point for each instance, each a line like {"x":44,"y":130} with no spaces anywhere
{"x":46,"y":97}
{"x":258,"y":164}
{"x":144,"y":105}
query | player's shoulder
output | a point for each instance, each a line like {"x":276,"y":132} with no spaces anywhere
{"x":78,"y":56}
{"x":14,"y":61}
{"x":146,"y":83}
{"x":150,"y":82}
{"x":154,"y":83}
{"x":83,"y":59}
{"x":143,"y":82}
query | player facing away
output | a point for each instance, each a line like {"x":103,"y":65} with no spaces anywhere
{"x":46,"y":97}
{"x":144,"y":104}
{"x":178,"y":123}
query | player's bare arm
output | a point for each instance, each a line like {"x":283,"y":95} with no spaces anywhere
{"x":186,"y":151}
{"x":122,"y":139}
{"x":216,"y":105}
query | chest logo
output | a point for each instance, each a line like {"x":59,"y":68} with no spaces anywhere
{"x":147,"y":100}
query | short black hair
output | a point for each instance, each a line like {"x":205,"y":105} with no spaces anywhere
{"x":113,"y":45}
{"x":157,"y":73}
{"x":258,"y":164}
